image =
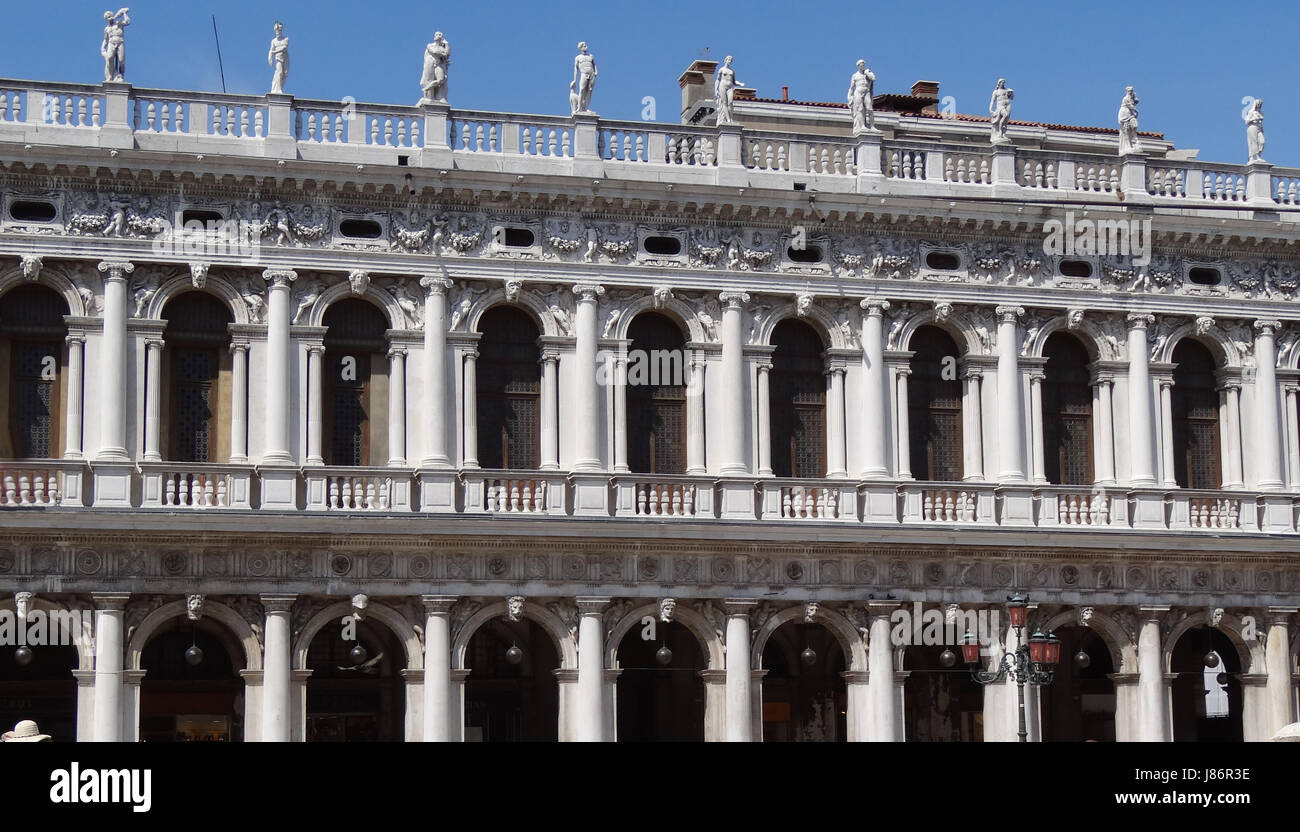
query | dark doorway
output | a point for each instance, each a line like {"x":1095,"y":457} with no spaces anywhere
{"x":43,"y":690}
{"x":1079,"y":705}
{"x":356,"y":701}
{"x":509,"y":701}
{"x":182,"y":701}
{"x":940,"y":704}
{"x":1206,"y":700}
{"x":661,"y":702}
{"x":804,"y":696}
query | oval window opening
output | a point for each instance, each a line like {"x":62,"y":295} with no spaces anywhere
{"x":32,"y":211}
{"x":1076,"y":268}
{"x":365,"y":229}
{"x":942,"y":261}
{"x":1204,"y":277}
{"x":517,"y":237}
{"x":807,"y":254}
{"x":200,"y":215}
{"x":662,"y":245}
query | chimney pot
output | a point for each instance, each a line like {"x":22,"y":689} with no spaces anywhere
{"x":785,"y":92}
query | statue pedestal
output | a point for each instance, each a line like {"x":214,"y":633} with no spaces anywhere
{"x":1259,"y":185}
{"x":871,"y":175}
{"x":280,"y":139}
{"x":1133,"y":179}
{"x":116,"y":129}
{"x":1004,"y":168}
{"x":437,"y":149}
{"x":586,"y":150}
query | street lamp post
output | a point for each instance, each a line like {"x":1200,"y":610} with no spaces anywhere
{"x":1033,"y":663}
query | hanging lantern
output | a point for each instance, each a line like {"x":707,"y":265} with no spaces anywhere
{"x":1082,"y":659}
{"x":514,"y":655}
{"x":357,"y":654}
{"x":194,"y":655}
{"x":1211,"y":659}
{"x":664,"y":656}
{"x":970,"y":649}
{"x":23,"y":656}
{"x":808,"y":656}
{"x":1018,"y":609}
{"x":948,"y":658}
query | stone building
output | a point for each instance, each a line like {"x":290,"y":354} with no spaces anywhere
{"x":388,"y":422}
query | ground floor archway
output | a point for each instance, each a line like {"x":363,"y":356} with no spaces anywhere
{"x":941,"y":703}
{"x":660,"y":695}
{"x":805,"y":698}
{"x":511,"y":693}
{"x":43,"y":690}
{"x":191,"y":690}
{"x":1079,"y":705}
{"x":1206,"y":700}
{"x":356,"y":696}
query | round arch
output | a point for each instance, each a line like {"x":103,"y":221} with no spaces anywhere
{"x":1225,"y":352}
{"x":1251,"y":655}
{"x":529,"y":302}
{"x":215,"y":286}
{"x":340,"y":291}
{"x":816,"y":317}
{"x":387,"y":615}
{"x":565,"y":643}
{"x":954,"y":323}
{"x":694,"y":620}
{"x":1085,"y":331}
{"x":85,"y":646}
{"x":1288,"y":355}
{"x":233,"y":621}
{"x":674,"y":309}
{"x":1123,"y":652}
{"x":51,"y":278}
{"x":851,"y":642}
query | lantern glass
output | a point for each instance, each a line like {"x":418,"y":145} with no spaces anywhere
{"x":1052,"y":653}
{"x":1018,"y":608}
{"x":1038,"y":648}
{"x":970,"y":649}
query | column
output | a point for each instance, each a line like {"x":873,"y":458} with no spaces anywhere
{"x":239,"y":402}
{"x":740,"y":704}
{"x":1279,"y":689}
{"x":72,"y":442}
{"x":881,"y":698}
{"x":153,"y":398}
{"x":1105,"y":454}
{"x":585,"y":399}
{"x":973,"y":408}
{"x":397,"y":406}
{"x":471,"y":409}
{"x":1267,"y":418}
{"x":620,"y":412}
{"x":550,"y":444}
{"x":277,"y":366}
{"x":1153,"y":700}
{"x":589,"y":725}
{"x":435,"y":371}
{"x":1234,"y":476}
{"x":1141,"y":450}
{"x":733,"y":385}
{"x":109,"y":654}
{"x":764,"y":419}
{"x":875,"y":408}
{"x":1166,"y":385}
{"x":857,"y":685}
{"x":695,"y":416}
{"x":276,"y":663}
{"x":315,"y":401}
{"x":1293,"y":443}
{"x":837,"y":453}
{"x":112,"y":363}
{"x":1036,"y":416}
{"x":437,"y":667}
{"x":1010,"y":422}
{"x":904,"y":441}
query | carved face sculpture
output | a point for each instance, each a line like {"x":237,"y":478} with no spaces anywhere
{"x":862,"y":65}
{"x":514,"y":607}
{"x":194,"y":607}
{"x":666,"y":609}
{"x":279,"y":29}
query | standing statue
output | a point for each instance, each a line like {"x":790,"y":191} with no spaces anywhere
{"x":724,"y":92}
{"x":584,"y":81}
{"x":1255,"y":131}
{"x":113,"y":49}
{"x":278,"y":58}
{"x":1000,"y":111}
{"x":1128,"y":123}
{"x":437,"y":60}
{"x":861,"y":87}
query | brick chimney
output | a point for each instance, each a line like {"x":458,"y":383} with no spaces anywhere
{"x":696,"y":83}
{"x":927,"y":89}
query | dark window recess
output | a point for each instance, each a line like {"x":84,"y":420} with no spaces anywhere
{"x":943,"y":261}
{"x":25,"y":210}
{"x":662,"y":245}
{"x":1204,"y":276}
{"x":517,"y":237}
{"x":801,"y":186}
{"x":365,"y":229}
{"x":807,"y":254}
{"x":200,"y":215}
{"x":1076,"y":268}
{"x":403,"y":161}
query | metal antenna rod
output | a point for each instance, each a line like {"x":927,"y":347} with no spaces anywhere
{"x":220,"y":67}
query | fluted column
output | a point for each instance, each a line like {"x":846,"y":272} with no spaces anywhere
{"x":1105,"y":454}
{"x":973,"y":422}
{"x":736,"y":414}
{"x":589,"y":725}
{"x":1234,"y":476}
{"x":112,"y":363}
{"x":239,"y":402}
{"x":837,"y":452}
{"x":875,"y":409}
{"x":1141,"y":447}
{"x":315,"y":403}
{"x":437,"y":667}
{"x":1039,"y":474}
{"x":435,"y":371}
{"x":550,"y":439}
{"x":695,"y":416}
{"x":1268,"y":424}
{"x":1166,"y":385}
{"x":276,"y":663}
{"x":620,"y":412}
{"x":76,"y":352}
{"x":153,"y":398}
{"x":881,"y":698}
{"x":764,"y":419}
{"x":1153,"y":700}
{"x":109,"y":656}
{"x":397,"y":406}
{"x":1011,"y":451}
{"x":1293,"y":431}
{"x":740,"y":701}
{"x":471,"y":409}
{"x":904,"y":440}
{"x":277,"y":365}
{"x":585,"y":392}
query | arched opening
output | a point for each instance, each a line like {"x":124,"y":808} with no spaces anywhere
{"x":805,"y":698}
{"x":797,"y":396}
{"x":656,"y":396}
{"x":189,"y":697}
{"x":1207,"y":701}
{"x":356,"y":696}
{"x":33,"y":356}
{"x":355,"y":384}
{"x":511,"y":695}
{"x":934,"y":414}
{"x":1079,"y":705}
{"x":1195,"y":414}
{"x":508,"y":394}
{"x":940,"y":704}
{"x":1067,"y":412}
{"x":658,"y":700}
{"x":43,"y":690}
{"x":197,"y":377}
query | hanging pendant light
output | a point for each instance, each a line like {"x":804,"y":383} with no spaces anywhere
{"x":808,"y":656}
{"x":947,"y":658}
{"x":514,"y":655}
{"x":358,"y":654}
{"x":194,"y":655}
{"x":23,"y":656}
{"x":663,"y":655}
{"x":1211,"y":659}
{"x":1082,"y":659}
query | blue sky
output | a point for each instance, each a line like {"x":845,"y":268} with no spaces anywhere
{"x":1191,"y":62}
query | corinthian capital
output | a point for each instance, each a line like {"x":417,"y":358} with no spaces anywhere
{"x":116,"y":269}
{"x":279,"y":277}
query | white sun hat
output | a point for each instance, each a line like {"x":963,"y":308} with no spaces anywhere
{"x":1288,"y":733}
{"x":24,"y":731}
